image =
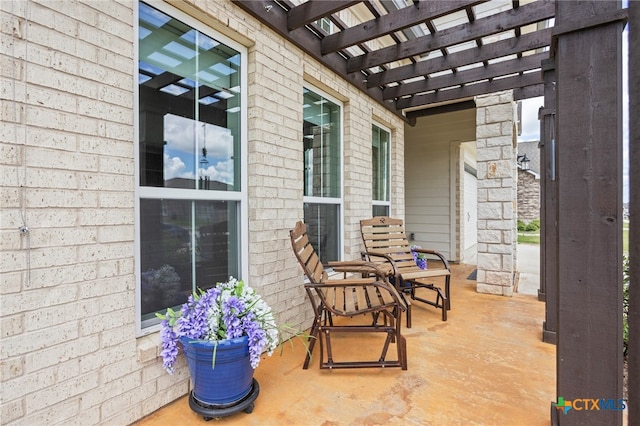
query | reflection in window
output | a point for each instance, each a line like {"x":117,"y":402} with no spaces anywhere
{"x":322,"y":133}
{"x":189,"y":106}
{"x":211,"y":167}
{"x":380,"y":210}
{"x":189,"y":161}
{"x":184,"y":244}
{"x":322,"y":147}
{"x":323,"y":229}
{"x":380,"y":166}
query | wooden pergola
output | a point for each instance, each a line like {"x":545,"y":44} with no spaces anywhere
{"x":416,"y":59}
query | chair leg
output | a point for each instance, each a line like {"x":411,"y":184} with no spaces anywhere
{"x":447,"y":283}
{"x":441,"y":302}
{"x":321,"y":337}
{"x":313,"y":336}
{"x":385,"y":347}
{"x":444,"y":309}
{"x":402,"y":351}
{"x":401,"y":342}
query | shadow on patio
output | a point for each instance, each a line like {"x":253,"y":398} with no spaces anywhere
{"x":485,"y":365}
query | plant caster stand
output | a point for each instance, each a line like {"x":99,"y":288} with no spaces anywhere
{"x":217,"y":411}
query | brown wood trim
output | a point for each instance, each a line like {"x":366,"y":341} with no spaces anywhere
{"x":613,"y":17}
{"x":392,"y":22}
{"x":270,"y":13}
{"x":589,"y":135}
{"x":528,"y":92}
{"x":531,"y":41}
{"x":634,"y":207}
{"x":503,"y":21}
{"x":471,"y":90}
{"x":311,"y":11}
{"x":457,"y":106}
{"x":549,"y":206}
{"x":499,"y":69}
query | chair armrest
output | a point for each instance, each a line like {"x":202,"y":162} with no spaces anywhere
{"x":358,"y":267}
{"x":385,"y":256}
{"x":434,"y":253}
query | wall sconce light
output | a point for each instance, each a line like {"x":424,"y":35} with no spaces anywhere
{"x":523,"y":161}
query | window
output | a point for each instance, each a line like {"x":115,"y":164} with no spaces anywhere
{"x":326,"y":24}
{"x":189,"y":158}
{"x":322,"y":139}
{"x":381,"y":159}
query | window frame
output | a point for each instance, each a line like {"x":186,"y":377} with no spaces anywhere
{"x":374,"y":202}
{"x":149,"y":192}
{"x":338,"y":201}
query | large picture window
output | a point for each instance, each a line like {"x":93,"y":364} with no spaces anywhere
{"x":322,"y":139}
{"x":189,"y":160}
{"x":380,"y":165}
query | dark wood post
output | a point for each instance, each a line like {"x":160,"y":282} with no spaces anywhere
{"x":549,"y":205}
{"x":634,"y":208}
{"x":588,"y":59}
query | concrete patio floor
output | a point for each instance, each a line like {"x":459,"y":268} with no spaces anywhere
{"x":486,"y":365}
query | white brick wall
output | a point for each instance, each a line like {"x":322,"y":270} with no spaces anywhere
{"x":69,"y":352}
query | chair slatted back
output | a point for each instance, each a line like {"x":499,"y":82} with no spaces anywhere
{"x":306,"y":255}
{"x":386,"y":244}
{"x":385,"y":235}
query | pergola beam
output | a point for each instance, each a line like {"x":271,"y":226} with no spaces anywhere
{"x":392,"y":22}
{"x":275,"y":17}
{"x":528,"y":92}
{"x":311,"y":11}
{"x":476,"y":30}
{"x":499,"y":69}
{"x":486,"y":52}
{"x":475,"y":89}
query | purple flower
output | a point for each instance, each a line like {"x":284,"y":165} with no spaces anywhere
{"x":419,"y":258}
{"x":232,"y":308}
{"x":422,"y":263}
{"x":228,"y":310}
{"x":169,"y":347}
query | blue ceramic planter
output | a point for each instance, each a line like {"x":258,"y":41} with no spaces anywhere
{"x":230,"y":379}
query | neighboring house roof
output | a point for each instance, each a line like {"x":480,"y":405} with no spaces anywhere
{"x":532,"y":150}
{"x":531,"y":172}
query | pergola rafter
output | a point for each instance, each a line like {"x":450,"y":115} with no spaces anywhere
{"x":396,"y":70}
{"x":471,"y":31}
{"x":391,"y":22}
{"x":487,"y":52}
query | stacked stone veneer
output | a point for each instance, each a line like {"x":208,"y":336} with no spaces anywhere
{"x":528,"y":196}
{"x":70,"y":350}
{"x":497,"y":193}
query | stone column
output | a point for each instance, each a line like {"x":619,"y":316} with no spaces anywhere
{"x":497,"y":186}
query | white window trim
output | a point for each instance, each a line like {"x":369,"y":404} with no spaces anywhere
{"x":150,"y":192}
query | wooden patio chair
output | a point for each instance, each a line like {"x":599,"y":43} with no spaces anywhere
{"x":362,"y":290}
{"x":386,"y":244}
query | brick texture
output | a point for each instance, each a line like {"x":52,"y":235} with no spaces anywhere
{"x":70,"y":353}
